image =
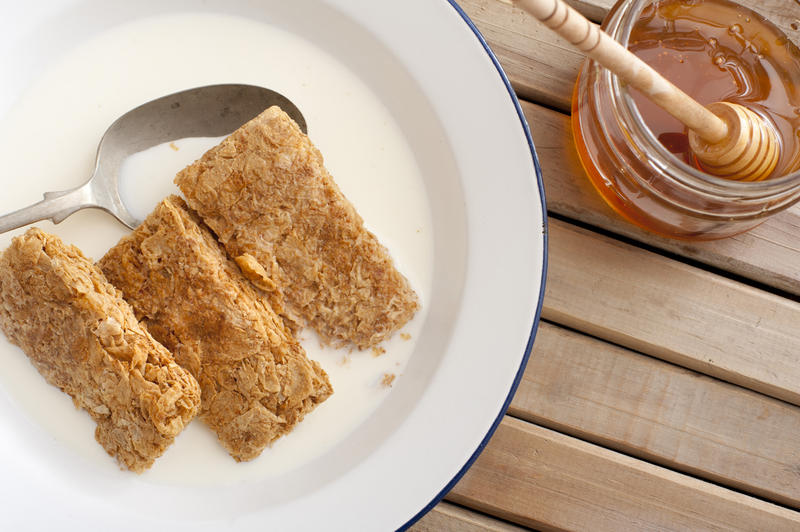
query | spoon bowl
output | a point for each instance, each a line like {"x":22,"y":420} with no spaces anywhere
{"x":209,"y":111}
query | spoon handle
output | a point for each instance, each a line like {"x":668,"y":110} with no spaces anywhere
{"x":55,"y":206}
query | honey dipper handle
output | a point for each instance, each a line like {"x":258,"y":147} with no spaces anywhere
{"x":596,"y":44}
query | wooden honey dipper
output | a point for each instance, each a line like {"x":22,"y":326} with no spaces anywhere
{"x":728,"y":139}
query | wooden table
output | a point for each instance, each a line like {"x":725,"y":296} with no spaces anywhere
{"x":663,"y":390}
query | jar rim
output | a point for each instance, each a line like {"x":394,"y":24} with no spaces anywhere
{"x":619,"y":26}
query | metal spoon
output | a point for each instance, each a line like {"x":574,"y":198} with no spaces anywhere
{"x":210,"y":111}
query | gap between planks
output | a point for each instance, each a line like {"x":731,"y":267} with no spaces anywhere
{"x":659,"y":412}
{"x":540,"y":65}
{"x":540,"y":478}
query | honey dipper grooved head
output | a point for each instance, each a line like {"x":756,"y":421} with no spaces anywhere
{"x":749,"y":152}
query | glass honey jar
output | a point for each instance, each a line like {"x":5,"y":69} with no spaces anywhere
{"x":639,"y":161}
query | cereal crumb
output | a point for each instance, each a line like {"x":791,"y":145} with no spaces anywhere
{"x":378,"y":351}
{"x":405,"y":336}
{"x":174,"y":146}
{"x":387,"y":380}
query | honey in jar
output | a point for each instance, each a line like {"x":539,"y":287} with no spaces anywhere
{"x":638,"y":156}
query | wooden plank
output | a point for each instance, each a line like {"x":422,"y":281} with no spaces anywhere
{"x":679,"y":313}
{"x":662,"y":413}
{"x":539,"y":65}
{"x":542,"y":479}
{"x":446,"y":517}
{"x":767,"y":254}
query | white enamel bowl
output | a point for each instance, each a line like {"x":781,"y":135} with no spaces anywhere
{"x":458,"y":114}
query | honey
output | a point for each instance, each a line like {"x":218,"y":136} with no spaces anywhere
{"x":637,"y":156}
{"x":715,"y":51}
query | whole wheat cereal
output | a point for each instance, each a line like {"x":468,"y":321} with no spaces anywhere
{"x":266,"y":194}
{"x":256,"y":380}
{"x":84,"y":338}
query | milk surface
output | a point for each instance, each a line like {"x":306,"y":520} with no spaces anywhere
{"x":48,"y":142}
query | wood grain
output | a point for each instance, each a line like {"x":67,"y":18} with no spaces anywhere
{"x":542,"y":479}
{"x":446,"y":517}
{"x":767,"y":254}
{"x":542,"y":67}
{"x":662,"y":413}
{"x":673,"y":311}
